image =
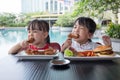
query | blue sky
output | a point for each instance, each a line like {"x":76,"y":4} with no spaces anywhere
{"x":13,"y":6}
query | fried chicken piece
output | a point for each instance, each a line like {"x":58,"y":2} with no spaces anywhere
{"x":28,"y":51}
{"x":41,"y":52}
{"x":31,"y":40}
{"x":50,"y":51}
{"x":35,"y":52}
{"x":75,"y":36}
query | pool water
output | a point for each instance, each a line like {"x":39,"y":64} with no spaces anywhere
{"x":9,"y":37}
{"x":16,"y":35}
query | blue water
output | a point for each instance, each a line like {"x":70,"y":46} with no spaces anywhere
{"x":16,"y":35}
{"x":9,"y":37}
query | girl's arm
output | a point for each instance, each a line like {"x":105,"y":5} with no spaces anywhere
{"x":15,"y":49}
{"x":18,"y":47}
{"x":66,"y":44}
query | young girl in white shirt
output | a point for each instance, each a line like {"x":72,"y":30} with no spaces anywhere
{"x":85,"y":28}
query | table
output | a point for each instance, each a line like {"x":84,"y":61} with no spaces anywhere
{"x":11,"y":68}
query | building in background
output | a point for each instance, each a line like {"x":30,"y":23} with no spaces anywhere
{"x":53,"y":7}
{"x":28,"y":6}
{"x":50,"y":6}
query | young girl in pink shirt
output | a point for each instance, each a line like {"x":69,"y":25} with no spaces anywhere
{"x":38,"y":38}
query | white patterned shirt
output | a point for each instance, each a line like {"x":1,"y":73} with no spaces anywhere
{"x":86,"y":46}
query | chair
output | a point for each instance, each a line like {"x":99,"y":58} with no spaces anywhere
{"x":55,"y":45}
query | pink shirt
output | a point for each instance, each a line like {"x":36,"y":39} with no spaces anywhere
{"x":35,"y":48}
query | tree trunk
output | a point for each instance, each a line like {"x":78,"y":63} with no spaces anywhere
{"x":115,"y":12}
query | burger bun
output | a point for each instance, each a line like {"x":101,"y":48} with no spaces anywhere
{"x":104,"y":51}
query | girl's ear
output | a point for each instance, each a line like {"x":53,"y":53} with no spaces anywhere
{"x":90,"y":35}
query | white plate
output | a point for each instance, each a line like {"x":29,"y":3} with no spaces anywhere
{"x":116,"y":56}
{"x":23,"y":55}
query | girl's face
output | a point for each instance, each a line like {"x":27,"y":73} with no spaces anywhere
{"x":38,"y":35}
{"x":83,"y":32}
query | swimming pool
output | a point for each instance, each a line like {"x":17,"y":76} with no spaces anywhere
{"x":11,"y":36}
{"x":16,"y":35}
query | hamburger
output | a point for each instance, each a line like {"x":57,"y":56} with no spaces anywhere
{"x":104,"y":50}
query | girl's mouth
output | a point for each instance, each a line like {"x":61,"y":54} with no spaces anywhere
{"x":30,"y":40}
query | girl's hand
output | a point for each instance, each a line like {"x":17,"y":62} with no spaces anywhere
{"x":106,"y":40}
{"x":24,"y":44}
{"x":66,"y":44}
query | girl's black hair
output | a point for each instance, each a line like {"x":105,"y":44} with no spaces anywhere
{"x":41,"y":25}
{"x":87,"y":22}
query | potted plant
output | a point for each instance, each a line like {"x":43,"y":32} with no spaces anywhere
{"x":113,"y":30}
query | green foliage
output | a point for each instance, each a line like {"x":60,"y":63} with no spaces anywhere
{"x":6,"y":18}
{"x":96,"y":8}
{"x":80,"y":7}
{"x":13,"y":20}
{"x":17,"y":24}
{"x":98,"y":26}
{"x":113,"y":30}
{"x":55,"y":25}
{"x":65,"y":20}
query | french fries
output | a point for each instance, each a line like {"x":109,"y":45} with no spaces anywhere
{"x":86,"y":53}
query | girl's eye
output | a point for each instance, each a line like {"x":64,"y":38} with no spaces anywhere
{"x":75,"y":27}
{"x":81,"y":27}
{"x":35,"y":31}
